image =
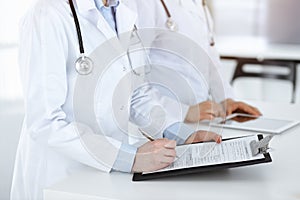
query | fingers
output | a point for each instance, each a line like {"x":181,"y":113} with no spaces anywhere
{"x":169,"y":152}
{"x":207,"y":116}
{"x":154,"y":155}
{"x":166,"y":149}
{"x":230,"y":108}
{"x":255,"y":111}
{"x":170,"y":144}
{"x":219,"y":111}
{"x":164,"y":143}
{"x":167,"y":159}
{"x":217,"y":138}
{"x":191,"y":139}
{"x":229,"y":111}
{"x":205,"y":136}
{"x":248,"y":109}
{"x":209,"y":110}
{"x":168,"y":156}
{"x":234,"y":106}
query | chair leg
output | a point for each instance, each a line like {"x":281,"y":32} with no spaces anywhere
{"x":238,"y":71}
{"x":294,"y":81}
{"x":292,"y":77}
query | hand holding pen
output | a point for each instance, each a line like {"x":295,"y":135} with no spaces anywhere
{"x":154,"y":155}
{"x":149,"y":137}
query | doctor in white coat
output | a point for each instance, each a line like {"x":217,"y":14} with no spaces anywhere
{"x":192,"y":20}
{"x":203,"y":34}
{"x":50,"y":147}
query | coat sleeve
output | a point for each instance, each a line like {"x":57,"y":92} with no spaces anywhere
{"x":155,"y":112}
{"x":150,"y":108}
{"x":43,"y":62}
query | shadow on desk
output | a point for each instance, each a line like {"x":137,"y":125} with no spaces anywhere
{"x":248,"y":173}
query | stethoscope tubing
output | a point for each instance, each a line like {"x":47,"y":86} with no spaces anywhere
{"x":78,"y":30}
{"x":79,"y":34}
{"x":166,"y":8}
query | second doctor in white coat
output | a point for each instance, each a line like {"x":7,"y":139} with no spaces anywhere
{"x":192,"y":22}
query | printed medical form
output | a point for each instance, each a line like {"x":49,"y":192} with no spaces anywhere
{"x":204,"y":154}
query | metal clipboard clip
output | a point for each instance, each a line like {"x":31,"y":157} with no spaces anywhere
{"x":261,"y":146}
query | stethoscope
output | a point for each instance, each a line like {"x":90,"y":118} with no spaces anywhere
{"x":171,"y":24}
{"x":84,"y":65}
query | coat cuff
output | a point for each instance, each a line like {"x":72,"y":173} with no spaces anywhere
{"x":125,"y":158}
{"x":178,"y":132}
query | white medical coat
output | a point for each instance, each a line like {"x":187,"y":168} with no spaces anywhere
{"x":190,"y":18}
{"x":50,"y":147}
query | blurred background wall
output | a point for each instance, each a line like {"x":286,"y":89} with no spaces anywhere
{"x":11,"y":103}
{"x":282,"y":23}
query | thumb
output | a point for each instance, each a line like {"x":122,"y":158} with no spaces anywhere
{"x":206,"y":117}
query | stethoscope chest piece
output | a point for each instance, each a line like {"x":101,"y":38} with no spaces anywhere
{"x":84,"y":65}
{"x":171,"y":25}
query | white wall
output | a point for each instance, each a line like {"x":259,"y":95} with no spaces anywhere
{"x":282,"y":21}
{"x":239,"y":17}
{"x":11,"y":104}
{"x":11,"y":117}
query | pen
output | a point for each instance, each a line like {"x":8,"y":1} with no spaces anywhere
{"x":149,"y":137}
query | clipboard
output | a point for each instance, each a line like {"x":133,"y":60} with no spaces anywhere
{"x":176,"y":172}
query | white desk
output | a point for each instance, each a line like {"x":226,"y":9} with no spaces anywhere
{"x":276,"y":180}
{"x":255,"y":47}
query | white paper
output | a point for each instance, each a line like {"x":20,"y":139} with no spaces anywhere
{"x":203,"y":154}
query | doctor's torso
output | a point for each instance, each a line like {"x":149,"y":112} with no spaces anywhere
{"x":189,"y":17}
{"x":48,"y":51}
{"x":57,"y":13}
